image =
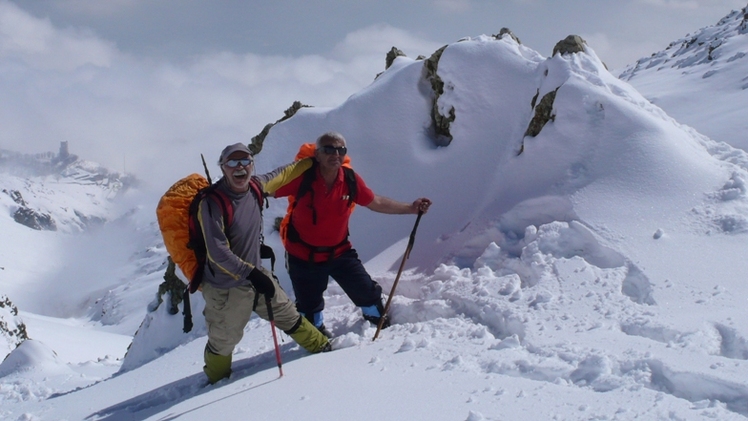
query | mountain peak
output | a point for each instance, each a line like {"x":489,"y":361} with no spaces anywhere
{"x":706,"y":47}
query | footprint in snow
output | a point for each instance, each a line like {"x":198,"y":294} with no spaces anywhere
{"x":408,"y":345}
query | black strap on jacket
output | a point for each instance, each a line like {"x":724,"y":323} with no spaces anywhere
{"x":305,"y":187}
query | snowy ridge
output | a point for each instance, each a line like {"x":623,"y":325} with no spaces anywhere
{"x":701,"y":79}
{"x":77,"y":196}
{"x":710,"y":46}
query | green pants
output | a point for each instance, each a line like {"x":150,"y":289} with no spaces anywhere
{"x":227,"y":312}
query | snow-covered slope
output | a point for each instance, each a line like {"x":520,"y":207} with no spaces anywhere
{"x":594,"y":271}
{"x":702,"y":79}
{"x":65,"y":269}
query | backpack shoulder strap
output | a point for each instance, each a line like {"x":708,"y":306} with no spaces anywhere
{"x":260,"y":195}
{"x":307,"y":179}
{"x":350,"y":181}
{"x":266,"y":252}
{"x":223,"y":202}
{"x":305,"y":187}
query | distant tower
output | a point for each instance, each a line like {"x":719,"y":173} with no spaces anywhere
{"x":64,"y":150}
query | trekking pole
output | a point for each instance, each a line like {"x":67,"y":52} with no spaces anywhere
{"x":275,"y":337}
{"x":399,"y":272}
{"x":207,"y":173}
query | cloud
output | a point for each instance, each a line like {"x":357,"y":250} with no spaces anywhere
{"x":155,"y":117}
{"x":378,"y":39}
{"x":37,"y":43}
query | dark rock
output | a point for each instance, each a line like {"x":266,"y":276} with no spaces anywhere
{"x":440,"y":123}
{"x":391,"y":56}
{"x":543,"y":114}
{"x":33,"y":219}
{"x":173,"y":286}
{"x":570,"y":45}
{"x":13,"y":329}
{"x":507,"y":31}
{"x":16,"y":196}
{"x":255,"y":146}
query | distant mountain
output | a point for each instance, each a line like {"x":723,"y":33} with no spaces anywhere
{"x":26,"y":182}
{"x":702,"y":79}
{"x":46,"y":197}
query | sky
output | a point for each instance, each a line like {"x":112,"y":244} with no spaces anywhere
{"x":595,"y":271}
{"x":130,"y":82}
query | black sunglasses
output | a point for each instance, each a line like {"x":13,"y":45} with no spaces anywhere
{"x":233,"y":163}
{"x":331,"y":150}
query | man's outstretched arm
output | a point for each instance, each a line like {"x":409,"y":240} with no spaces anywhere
{"x":384,"y":204}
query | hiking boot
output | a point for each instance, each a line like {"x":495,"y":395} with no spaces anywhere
{"x":324,"y":331}
{"x":373,"y":313}
{"x":375,"y":321}
{"x":308,"y":336}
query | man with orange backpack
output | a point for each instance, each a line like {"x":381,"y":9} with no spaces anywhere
{"x":233,"y":277}
{"x":316,"y":232}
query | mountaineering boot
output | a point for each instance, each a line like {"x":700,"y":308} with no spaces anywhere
{"x":216,"y":367}
{"x":323,"y":330}
{"x":374,"y":313}
{"x":318,"y":321}
{"x":309,"y":337}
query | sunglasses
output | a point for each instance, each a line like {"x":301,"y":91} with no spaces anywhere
{"x":331,"y":150}
{"x":233,"y":163}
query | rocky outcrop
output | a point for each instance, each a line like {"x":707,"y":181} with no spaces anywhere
{"x":391,"y":56}
{"x":508,"y":32}
{"x":173,"y":286}
{"x":440,"y":123}
{"x":543,"y":109}
{"x":33,"y":219}
{"x":543,"y":113}
{"x":255,"y":146}
{"x":16,"y":196}
{"x":12,"y":329}
{"x":26,"y":216}
{"x":570,"y":45}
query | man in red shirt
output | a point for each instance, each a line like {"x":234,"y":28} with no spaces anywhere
{"x":317,"y":241}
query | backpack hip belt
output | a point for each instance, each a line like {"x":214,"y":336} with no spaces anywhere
{"x":293,"y":236}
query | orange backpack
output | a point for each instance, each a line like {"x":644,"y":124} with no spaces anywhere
{"x":177,"y":220}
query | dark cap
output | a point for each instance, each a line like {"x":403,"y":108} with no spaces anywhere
{"x":228,"y":150}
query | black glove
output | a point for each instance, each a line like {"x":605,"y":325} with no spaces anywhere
{"x":262,"y":283}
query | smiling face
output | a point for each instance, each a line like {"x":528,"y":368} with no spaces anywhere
{"x":237,"y":174}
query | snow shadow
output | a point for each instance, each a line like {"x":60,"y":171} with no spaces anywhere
{"x":154,"y":401}
{"x":699,"y":388}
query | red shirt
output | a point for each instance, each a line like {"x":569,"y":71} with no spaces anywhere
{"x":332,"y":212}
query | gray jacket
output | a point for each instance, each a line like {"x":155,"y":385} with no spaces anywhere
{"x":235,"y":251}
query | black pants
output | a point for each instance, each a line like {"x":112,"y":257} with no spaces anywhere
{"x":309,"y":282}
